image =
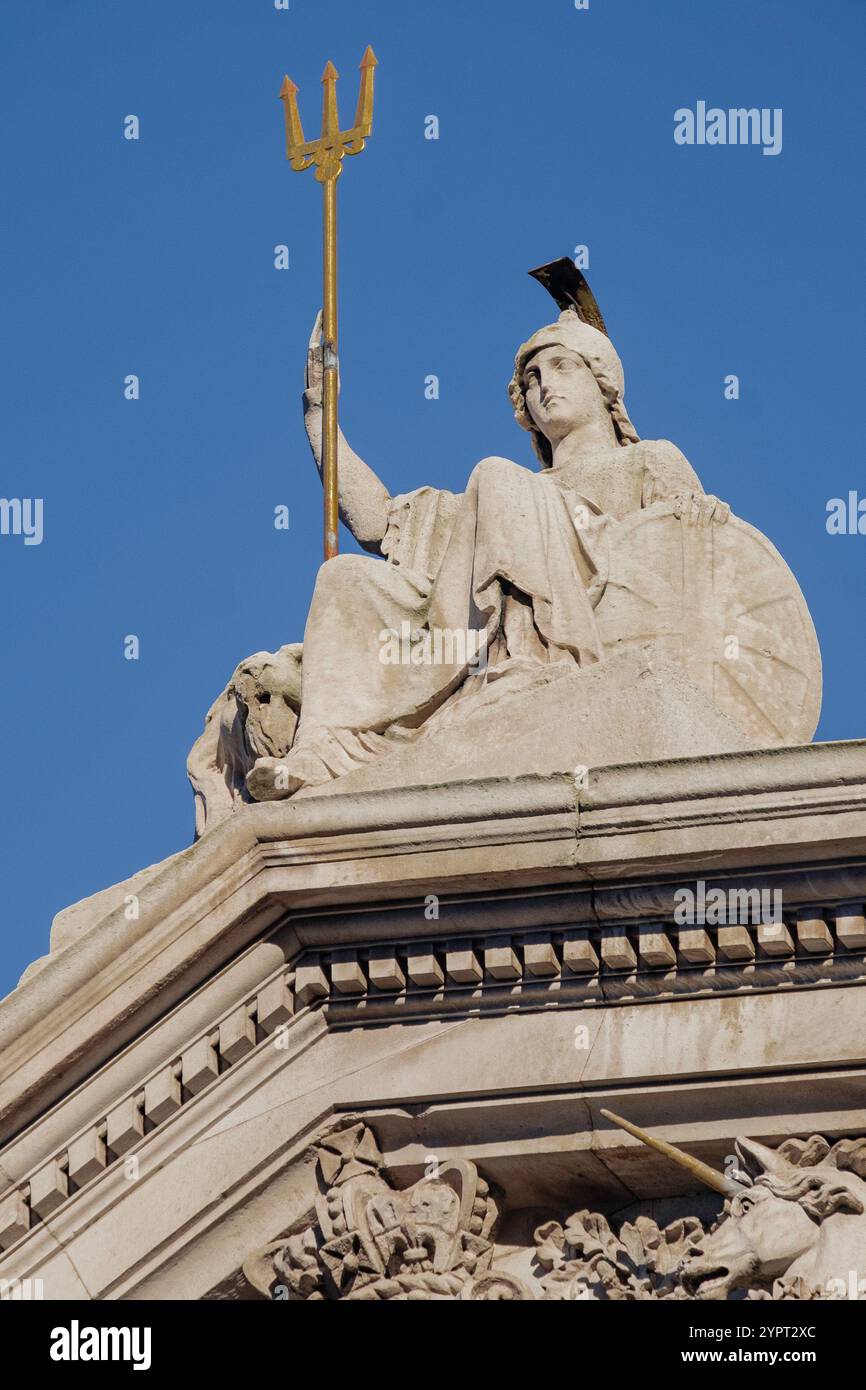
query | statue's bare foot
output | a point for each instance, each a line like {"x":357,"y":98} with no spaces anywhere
{"x":274,"y":779}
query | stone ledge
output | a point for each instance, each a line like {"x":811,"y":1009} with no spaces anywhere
{"x":209,"y":903}
{"x":508,"y":837}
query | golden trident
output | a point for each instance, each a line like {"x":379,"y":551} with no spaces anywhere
{"x":326,"y":154}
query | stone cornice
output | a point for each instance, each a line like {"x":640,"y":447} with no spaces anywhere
{"x":536,"y":850}
{"x":644,"y":960}
{"x":216,"y":897}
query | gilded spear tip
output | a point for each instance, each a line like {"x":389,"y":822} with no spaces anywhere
{"x":294,"y":129}
{"x":364,"y":112}
{"x":330,"y":115}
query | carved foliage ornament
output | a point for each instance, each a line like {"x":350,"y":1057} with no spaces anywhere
{"x":794,"y":1227}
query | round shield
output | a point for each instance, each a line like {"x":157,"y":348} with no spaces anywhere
{"x":720,"y":601}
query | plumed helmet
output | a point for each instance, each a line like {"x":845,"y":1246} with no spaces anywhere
{"x":599,"y":354}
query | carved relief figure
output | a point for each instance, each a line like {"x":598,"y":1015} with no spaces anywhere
{"x":799,"y":1230}
{"x":793,"y":1226}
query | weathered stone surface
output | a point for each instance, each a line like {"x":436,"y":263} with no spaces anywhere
{"x":695,"y":946}
{"x":235,"y":883}
{"x":162,"y":1095}
{"x":346,"y":973}
{"x":500,"y":961}
{"x":634,"y":707}
{"x":255,"y":716}
{"x":274,"y":1004}
{"x":617,"y":951}
{"x":775,"y":939}
{"x":87,"y":1157}
{"x":423,"y":969}
{"x":851,"y":930}
{"x":809,"y":1238}
{"x":814,"y":935}
{"x":386,"y":972}
{"x":14,"y":1218}
{"x":200,"y":1065}
{"x":729,"y":614}
{"x":655,"y":947}
{"x":49,"y":1189}
{"x":237,"y":1035}
{"x":578,"y":953}
{"x":540,"y":959}
{"x":735,"y":943}
{"x":311,"y":983}
{"x":125,"y":1125}
{"x":463,"y":965}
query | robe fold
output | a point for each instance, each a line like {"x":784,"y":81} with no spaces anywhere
{"x":517,"y":562}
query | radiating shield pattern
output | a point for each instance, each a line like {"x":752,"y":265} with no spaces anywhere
{"x":721,"y":602}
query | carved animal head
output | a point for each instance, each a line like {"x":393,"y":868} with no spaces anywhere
{"x":255,"y":716}
{"x":267,"y":688}
{"x":767,"y":1226}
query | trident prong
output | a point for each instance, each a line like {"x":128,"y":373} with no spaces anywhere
{"x":326,"y":154}
{"x":364,"y":113}
{"x":330,"y":115}
{"x":295,"y":143}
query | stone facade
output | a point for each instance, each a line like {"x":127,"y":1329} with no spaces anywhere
{"x":460,"y":978}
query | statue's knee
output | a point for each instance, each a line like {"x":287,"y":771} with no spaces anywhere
{"x":342,"y":570}
{"x":348,"y":565}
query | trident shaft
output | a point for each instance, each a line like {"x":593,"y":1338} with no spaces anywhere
{"x":326,"y":154}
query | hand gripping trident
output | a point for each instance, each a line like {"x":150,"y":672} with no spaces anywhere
{"x":326,"y":154}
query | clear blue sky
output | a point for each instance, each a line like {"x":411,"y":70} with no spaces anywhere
{"x":156,"y":258}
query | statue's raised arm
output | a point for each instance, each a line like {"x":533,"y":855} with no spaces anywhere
{"x":364,"y":498}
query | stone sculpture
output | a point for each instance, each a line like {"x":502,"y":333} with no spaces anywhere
{"x":799,"y":1227}
{"x":611,"y":546}
{"x":255,"y":716}
{"x":587,"y":1259}
{"x":372,"y":1242}
{"x":796,"y":1228}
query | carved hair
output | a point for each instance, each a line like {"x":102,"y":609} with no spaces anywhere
{"x":612,"y":395}
{"x":817,"y":1192}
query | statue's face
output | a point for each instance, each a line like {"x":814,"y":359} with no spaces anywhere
{"x":561,"y":392}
